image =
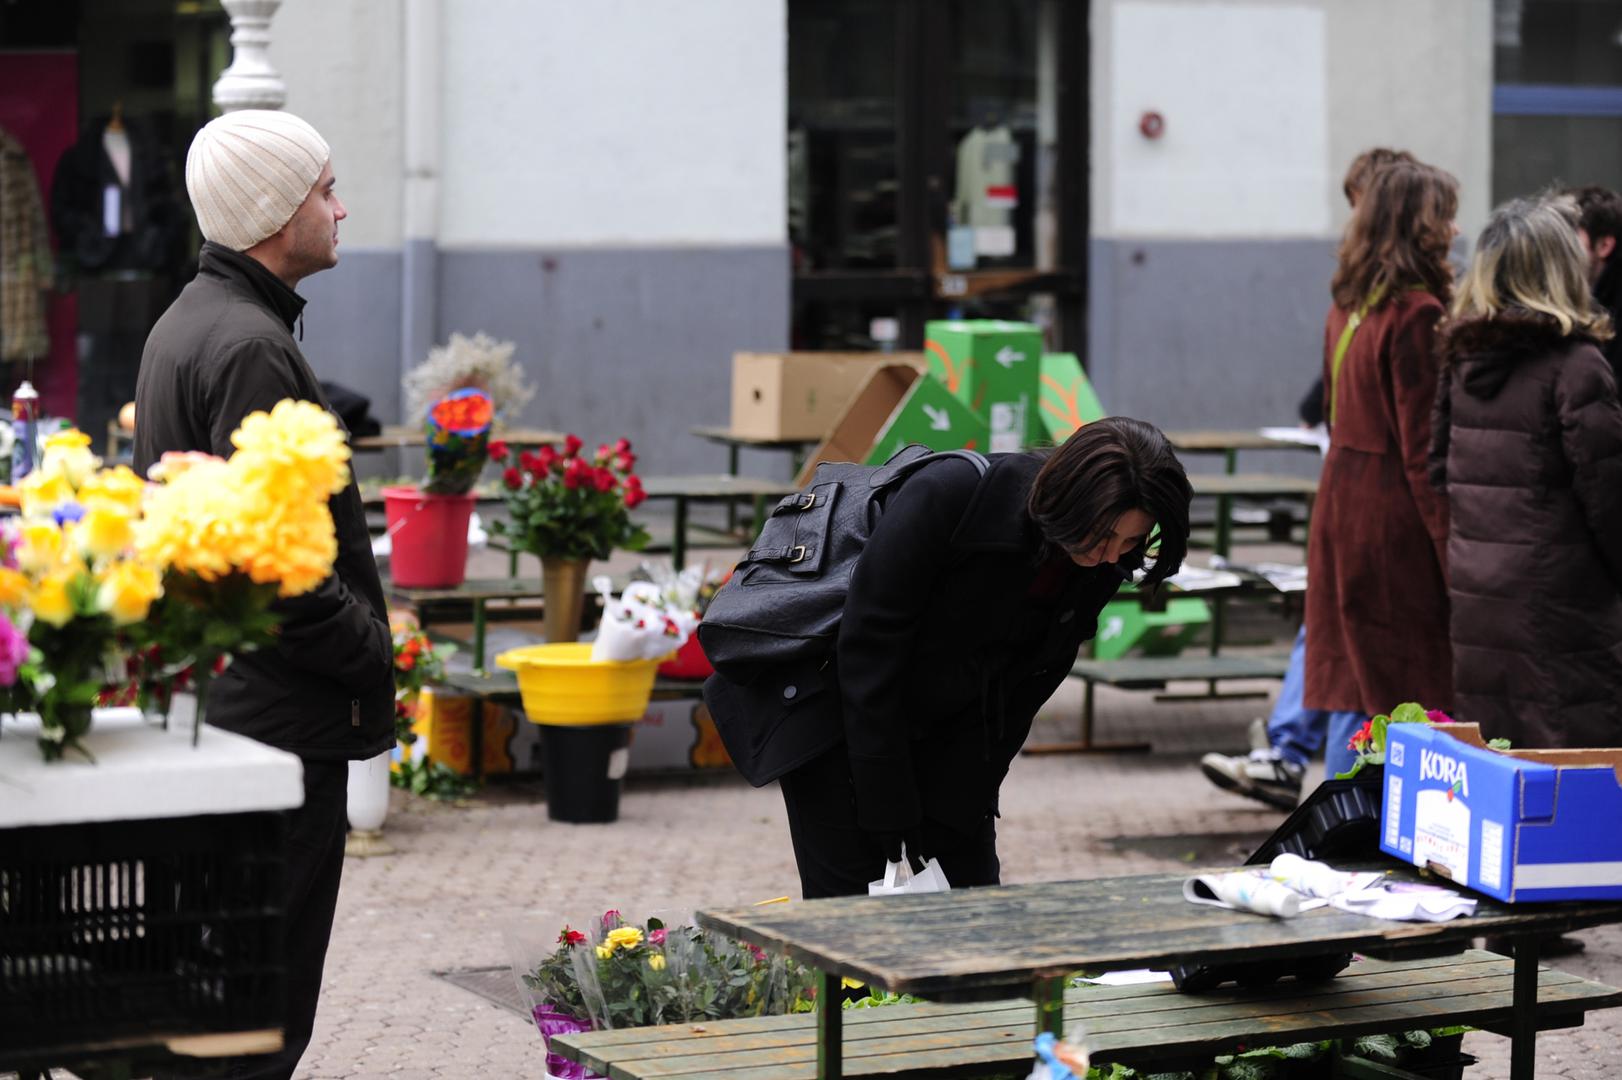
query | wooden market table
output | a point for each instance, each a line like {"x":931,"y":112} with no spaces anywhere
{"x":979,"y":944}
{"x":685,"y":490}
{"x":501,"y":687}
{"x":736,"y":442}
{"x":398,"y":436}
{"x":1227,"y":488}
{"x":476,"y":594}
{"x":151,"y":809}
{"x":1229,"y":443}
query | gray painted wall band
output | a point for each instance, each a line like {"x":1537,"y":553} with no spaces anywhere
{"x":618,"y":342}
{"x":1209,"y":334}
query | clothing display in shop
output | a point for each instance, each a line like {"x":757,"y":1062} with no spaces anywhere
{"x":986,"y":158}
{"x":112,"y":201}
{"x":25,"y":256}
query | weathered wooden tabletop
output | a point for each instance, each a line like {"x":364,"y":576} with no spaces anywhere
{"x":715,"y":486}
{"x":399,"y":435}
{"x":1216,"y":442}
{"x":727,"y":437}
{"x":514,"y":588}
{"x":1252,"y":485}
{"x":1007,"y":937}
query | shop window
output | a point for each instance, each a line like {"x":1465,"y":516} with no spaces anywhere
{"x":1557,"y":95}
{"x":937,"y":167}
{"x":101,"y":99}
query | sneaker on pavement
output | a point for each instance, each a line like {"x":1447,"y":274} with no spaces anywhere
{"x":1258,"y":734}
{"x":1261,"y":775}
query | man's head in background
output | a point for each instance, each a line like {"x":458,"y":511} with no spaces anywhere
{"x":1599,"y":225}
{"x":1365,"y":165}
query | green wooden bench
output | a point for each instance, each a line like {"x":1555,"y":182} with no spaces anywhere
{"x":1142,"y":1025}
{"x":1153,"y":673}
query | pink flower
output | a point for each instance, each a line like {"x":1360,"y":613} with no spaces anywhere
{"x":1437,"y":716}
{"x":657,"y":937}
{"x":13,"y":651}
{"x":611,"y":918}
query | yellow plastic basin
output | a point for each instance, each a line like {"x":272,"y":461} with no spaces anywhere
{"x":561,"y":684}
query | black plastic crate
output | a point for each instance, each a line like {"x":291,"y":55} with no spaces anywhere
{"x":118,"y":932}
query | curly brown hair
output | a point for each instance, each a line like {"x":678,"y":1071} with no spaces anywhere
{"x":1399,"y":236}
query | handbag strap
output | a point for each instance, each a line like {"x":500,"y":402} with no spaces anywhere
{"x":1345,"y":343}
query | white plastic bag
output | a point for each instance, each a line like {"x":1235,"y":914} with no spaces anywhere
{"x":899,"y":878}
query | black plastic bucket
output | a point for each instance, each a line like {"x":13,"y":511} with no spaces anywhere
{"x":585,"y":771}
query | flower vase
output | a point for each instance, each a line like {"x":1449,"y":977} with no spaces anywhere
{"x":563,"y":589}
{"x":368,"y":806}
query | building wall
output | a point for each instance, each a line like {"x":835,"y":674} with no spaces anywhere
{"x":1213,"y":245}
{"x":602,"y":183}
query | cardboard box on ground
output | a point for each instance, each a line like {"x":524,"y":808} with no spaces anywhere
{"x":674,"y":734}
{"x":800,"y":395}
{"x":1518,"y":825}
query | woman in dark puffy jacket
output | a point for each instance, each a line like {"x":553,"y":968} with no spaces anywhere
{"x":1528,"y":449}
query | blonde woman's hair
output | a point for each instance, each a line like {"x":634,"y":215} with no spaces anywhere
{"x":1529,"y":257}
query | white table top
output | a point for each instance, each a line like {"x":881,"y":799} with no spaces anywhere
{"x":141,"y":772}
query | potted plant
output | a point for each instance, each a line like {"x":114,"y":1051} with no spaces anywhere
{"x":428,"y":524}
{"x":614,"y":972}
{"x":568,"y":509}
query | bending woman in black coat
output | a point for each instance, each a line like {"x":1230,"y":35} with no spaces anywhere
{"x":965,"y":613}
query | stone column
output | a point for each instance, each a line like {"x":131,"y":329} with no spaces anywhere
{"x":250,"y":82}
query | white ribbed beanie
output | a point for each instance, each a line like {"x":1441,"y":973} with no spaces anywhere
{"x":247,"y":172}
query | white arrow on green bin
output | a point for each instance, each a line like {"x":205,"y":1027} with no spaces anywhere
{"x":938,"y":420}
{"x":1008,"y":356}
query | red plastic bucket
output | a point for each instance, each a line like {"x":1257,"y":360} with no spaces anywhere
{"x":689,"y":662}
{"x":427,"y":536}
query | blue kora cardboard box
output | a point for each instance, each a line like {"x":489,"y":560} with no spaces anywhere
{"x":1517,"y":825}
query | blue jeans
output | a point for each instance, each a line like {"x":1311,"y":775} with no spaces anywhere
{"x":1297,"y":732}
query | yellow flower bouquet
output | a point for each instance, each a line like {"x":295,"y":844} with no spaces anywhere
{"x":110,"y":577}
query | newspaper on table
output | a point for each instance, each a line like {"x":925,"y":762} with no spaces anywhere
{"x":1285,"y":577}
{"x":1291,"y":885}
{"x":1313,"y":436}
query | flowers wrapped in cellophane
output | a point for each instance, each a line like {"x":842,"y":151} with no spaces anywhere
{"x":458,"y":440}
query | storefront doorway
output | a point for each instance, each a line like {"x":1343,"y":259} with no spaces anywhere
{"x":937,"y":167}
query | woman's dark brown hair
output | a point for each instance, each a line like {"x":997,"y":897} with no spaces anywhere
{"x":1399,"y":236}
{"x":1106,"y":468}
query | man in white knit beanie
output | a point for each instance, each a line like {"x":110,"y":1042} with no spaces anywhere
{"x":261,"y":184}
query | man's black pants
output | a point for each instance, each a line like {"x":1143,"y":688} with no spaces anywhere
{"x":315,"y":863}
{"x":836,"y":858}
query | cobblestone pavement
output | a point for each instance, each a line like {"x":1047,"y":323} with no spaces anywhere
{"x":468,"y":880}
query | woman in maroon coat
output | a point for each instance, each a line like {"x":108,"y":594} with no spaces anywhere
{"x":1528,"y":448}
{"x":1377,"y":631}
